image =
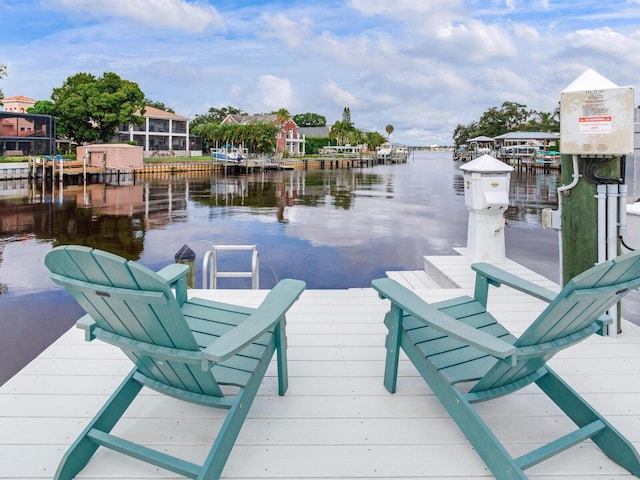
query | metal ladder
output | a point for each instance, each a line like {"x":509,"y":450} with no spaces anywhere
{"x":210,"y":272}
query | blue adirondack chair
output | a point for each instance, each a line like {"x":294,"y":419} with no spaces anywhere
{"x":186,"y":348}
{"x":459,"y":341}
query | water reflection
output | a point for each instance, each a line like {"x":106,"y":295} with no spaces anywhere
{"x":393,"y":215}
{"x":332,"y":228}
{"x":530,"y":193}
{"x":335,"y":229}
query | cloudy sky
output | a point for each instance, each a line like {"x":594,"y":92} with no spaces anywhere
{"x":423,"y":66}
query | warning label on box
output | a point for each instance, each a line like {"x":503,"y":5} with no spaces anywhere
{"x":597,"y":124}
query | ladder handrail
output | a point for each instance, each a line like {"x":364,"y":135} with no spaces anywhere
{"x":210,"y":276}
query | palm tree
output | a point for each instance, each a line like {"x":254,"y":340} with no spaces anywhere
{"x":389,"y":130}
{"x":341,"y":131}
{"x":282,"y":115}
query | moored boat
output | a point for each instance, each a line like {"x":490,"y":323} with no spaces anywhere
{"x":228,"y":153}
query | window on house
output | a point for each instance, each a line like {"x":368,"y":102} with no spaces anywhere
{"x":179,"y":126}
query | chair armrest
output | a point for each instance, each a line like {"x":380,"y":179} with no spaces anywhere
{"x":176,"y":275}
{"x":87,"y":324}
{"x":410,"y":303}
{"x":172,"y":273}
{"x":270,"y":311}
{"x":490,"y":274}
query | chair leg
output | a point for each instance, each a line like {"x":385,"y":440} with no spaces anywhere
{"x":281,"y":356}
{"x":487,"y":445}
{"x":217,"y":458}
{"x":393,"y":321}
{"x":610,"y":440}
{"x":78,"y":455}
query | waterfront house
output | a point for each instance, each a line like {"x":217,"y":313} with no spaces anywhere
{"x":481,"y":145}
{"x":527,"y":139}
{"x":26,"y":134}
{"x":314,"y":132}
{"x":162,"y":134}
{"x":315,"y":138}
{"x":522,"y":148}
{"x":18,"y":103}
{"x":289,"y":139}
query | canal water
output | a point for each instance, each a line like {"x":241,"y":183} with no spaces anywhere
{"x":334,"y":229}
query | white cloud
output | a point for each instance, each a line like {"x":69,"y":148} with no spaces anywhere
{"x":605,"y":40}
{"x":423,"y":66}
{"x":526,"y":33}
{"x":274,"y":92}
{"x":426,"y":13}
{"x":475,"y":41}
{"x":292,"y":32}
{"x":177,"y":14}
{"x":340,"y":96}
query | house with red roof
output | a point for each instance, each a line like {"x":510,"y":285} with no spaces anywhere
{"x":18,"y":103}
{"x":288,"y":138}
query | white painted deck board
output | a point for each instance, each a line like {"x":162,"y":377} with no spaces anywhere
{"x":337,"y":421}
{"x":416,"y":279}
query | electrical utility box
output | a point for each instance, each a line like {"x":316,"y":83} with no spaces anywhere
{"x":596,"y":117}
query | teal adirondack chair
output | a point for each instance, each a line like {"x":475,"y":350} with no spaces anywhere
{"x":458,"y":341}
{"x":185,"y":348}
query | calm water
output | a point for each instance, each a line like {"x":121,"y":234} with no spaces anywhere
{"x":333,"y":229}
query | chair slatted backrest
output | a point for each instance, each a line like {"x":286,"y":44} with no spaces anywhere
{"x":571,"y":314}
{"x":130,"y":300}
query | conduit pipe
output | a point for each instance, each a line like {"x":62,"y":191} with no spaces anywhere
{"x":612,"y":244}
{"x":601,"y":196}
{"x":622,"y":209}
{"x":612,"y":220}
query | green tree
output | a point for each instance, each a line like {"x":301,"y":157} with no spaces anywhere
{"x":309,"y":120}
{"x":312,"y":145}
{"x":510,"y":117}
{"x":463,"y":133}
{"x":158,"y":105}
{"x":3,"y":73}
{"x":216,"y":115}
{"x":389,"y":130}
{"x":340,"y":132}
{"x":544,"y":121}
{"x":344,"y":131}
{"x":492,"y":123}
{"x":515,"y":115}
{"x":282,"y":115}
{"x":346,"y":116}
{"x":89,"y":108}
{"x":256,"y":137}
{"x":42,"y":107}
{"x":374,"y":140}
{"x":70,"y":100}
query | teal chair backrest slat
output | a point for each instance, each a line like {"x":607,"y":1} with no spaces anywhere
{"x":580,"y":303}
{"x":132,"y":301}
{"x":138,"y":316}
{"x":578,"y":310}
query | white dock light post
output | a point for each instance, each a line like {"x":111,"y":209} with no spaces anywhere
{"x":486,"y":194}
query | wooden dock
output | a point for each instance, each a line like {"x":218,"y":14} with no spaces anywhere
{"x":337,"y":421}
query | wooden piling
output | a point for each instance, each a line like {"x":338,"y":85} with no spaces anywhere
{"x":580,"y":216}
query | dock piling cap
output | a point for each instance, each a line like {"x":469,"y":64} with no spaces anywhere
{"x":590,"y":80}
{"x":185,"y":254}
{"x":486,"y":164}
